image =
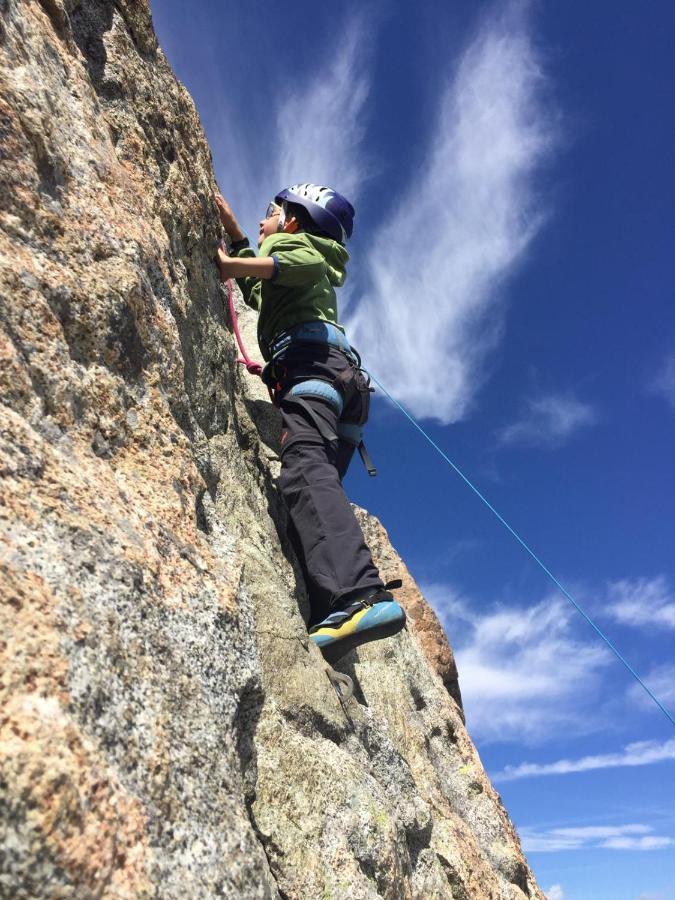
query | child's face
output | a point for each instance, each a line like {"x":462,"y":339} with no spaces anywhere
{"x":269,"y":224}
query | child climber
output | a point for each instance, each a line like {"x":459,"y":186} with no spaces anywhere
{"x":323,"y":395}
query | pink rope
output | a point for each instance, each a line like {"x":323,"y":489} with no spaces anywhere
{"x":246,"y":360}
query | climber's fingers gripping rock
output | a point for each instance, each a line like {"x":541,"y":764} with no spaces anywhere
{"x":228,"y":219}
{"x":221,"y":259}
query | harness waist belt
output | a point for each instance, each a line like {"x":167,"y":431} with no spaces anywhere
{"x":311,"y":332}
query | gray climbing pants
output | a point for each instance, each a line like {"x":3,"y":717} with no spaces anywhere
{"x":324,"y":531}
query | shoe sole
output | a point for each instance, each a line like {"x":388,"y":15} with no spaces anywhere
{"x":389,"y":621}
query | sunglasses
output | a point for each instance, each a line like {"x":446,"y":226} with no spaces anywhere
{"x":272,"y":210}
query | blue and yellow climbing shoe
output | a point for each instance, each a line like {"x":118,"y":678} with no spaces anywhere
{"x":371,"y":617}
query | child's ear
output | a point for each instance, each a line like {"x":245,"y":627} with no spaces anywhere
{"x":291,"y":226}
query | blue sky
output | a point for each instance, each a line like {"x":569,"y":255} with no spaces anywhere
{"x":511,"y":283}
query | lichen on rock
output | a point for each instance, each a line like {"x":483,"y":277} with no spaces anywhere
{"x":167,"y":730}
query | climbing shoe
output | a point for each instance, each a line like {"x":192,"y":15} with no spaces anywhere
{"x":361,"y":619}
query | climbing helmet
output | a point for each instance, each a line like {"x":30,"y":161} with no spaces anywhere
{"x":328,"y":210}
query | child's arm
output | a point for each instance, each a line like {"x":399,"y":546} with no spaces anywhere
{"x":248,"y":267}
{"x":228,"y":220}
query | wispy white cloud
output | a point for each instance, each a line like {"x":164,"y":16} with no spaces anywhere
{"x":643,"y":602}
{"x":314,"y":133}
{"x":460,"y":227}
{"x":661,"y":681}
{"x":320,"y":120}
{"x":549,"y":420}
{"x":510,"y":661}
{"x":664,"y":381}
{"x":648,"y":603}
{"x":524,"y":675}
{"x":238,"y":161}
{"x":450,"y":605}
{"x":555,"y":892}
{"x":617,"y":837}
{"x":640,"y":753}
{"x":648,"y":842}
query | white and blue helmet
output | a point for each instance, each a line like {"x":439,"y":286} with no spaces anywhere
{"x":330,"y":211}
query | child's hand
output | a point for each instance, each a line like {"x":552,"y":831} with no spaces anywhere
{"x":223,"y":259}
{"x":228,"y":219}
{"x":252,"y":267}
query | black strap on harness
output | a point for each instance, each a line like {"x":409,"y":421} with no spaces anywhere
{"x":328,"y":434}
{"x":348,"y":384}
{"x":366,"y":460}
{"x":324,"y":430}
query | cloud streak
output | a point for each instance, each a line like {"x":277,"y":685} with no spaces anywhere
{"x":642,"y":602}
{"x":510,"y":666}
{"x":555,"y":892}
{"x":320,"y":123}
{"x":661,"y":681}
{"x":549,"y":421}
{"x":612,"y":837}
{"x":316,"y":135}
{"x":664,"y":382}
{"x":641,"y":753}
{"x":434,"y":310}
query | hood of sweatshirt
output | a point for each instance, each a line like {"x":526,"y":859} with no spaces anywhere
{"x":335,"y":254}
{"x":336,"y":257}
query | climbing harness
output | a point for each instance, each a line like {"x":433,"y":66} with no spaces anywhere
{"x":338,"y":393}
{"x":526,"y":547}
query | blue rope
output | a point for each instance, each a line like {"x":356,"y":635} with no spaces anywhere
{"x":528,"y":549}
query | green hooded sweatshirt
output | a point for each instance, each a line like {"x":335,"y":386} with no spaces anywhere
{"x":308,"y":268}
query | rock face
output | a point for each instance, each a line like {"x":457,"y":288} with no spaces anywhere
{"x":166,"y":729}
